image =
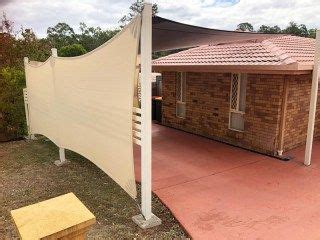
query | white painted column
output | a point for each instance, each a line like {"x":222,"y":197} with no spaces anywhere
{"x":25,"y":98}
{"x":26,"y":103}
{"x":62,"y":155}
{"x":313,"y":102}
{"x":54,"y":52}
{"x":146,"y":138}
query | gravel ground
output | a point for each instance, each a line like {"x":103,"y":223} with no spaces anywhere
{"x":28,"y":175}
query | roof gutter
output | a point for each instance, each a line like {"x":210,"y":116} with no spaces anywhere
{"x":293,"y":68}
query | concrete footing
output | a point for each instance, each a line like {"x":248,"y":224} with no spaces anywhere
{"x":144,"y":224}
{"x":59,"y":163}
{"x":32,"y":137}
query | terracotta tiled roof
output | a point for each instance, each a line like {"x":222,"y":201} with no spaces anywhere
{"x":297,"y":52}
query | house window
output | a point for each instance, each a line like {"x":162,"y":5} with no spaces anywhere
{"x":181,"y":95}
{"x":237,"y":101}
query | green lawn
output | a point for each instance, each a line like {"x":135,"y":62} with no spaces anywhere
{"x":28,"y":175}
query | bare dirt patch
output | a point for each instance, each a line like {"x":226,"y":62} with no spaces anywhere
{"x":28,"y":175}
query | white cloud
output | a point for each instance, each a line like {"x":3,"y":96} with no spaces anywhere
{"x":41,"y":14}
{"x":221,"y":14}
{"x":227,"y":16}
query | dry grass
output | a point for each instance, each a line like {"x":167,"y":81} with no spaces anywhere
{"x":28,"y":175}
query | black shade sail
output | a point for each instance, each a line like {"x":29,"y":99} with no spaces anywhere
{"x":169,"y":35}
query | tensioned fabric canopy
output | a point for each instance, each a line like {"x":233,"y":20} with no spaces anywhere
{"x":169,"y":35}
{"x":85,"y":103}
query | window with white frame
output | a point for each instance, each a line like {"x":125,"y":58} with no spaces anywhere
{"x":181,"y":95}
{"x":237,"y":101}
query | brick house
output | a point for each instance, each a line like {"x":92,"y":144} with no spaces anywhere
{"x":252,"y":94}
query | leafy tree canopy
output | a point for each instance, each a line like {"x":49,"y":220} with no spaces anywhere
{"x":136,"y":8}
{"x":16,"y":45}
{"x":269,"y":29}
{"x":30,"y":46}
{"x":293,"y":29}
{"x":6,"y":25}
{"x":89,"y":37}
{"x":12,"y":117}
{"x":246,"y":27}
{"x":92,"y":37}
{"x":72,"y":50}
{"x":61,"y":35}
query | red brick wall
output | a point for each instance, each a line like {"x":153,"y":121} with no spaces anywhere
{"x":317,"y":123}
{"x":298,"y":110}
{"x":207,"y":109}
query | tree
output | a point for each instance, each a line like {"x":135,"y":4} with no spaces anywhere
{"x":92,"y":37}
{"x":268,"y":29}
{"x":135,"y":9}
{"x":297,"y":30}
{"x":32,"y":47}
{"x":72,"y":50}
{"x":6,"y":25}
{"x":245,"y":27}
{"x":61,"y":35}
{"x":7,"y":40}
{"x":292,"y":29}
{"x":16,"y":45}
{"x":13,"y":47}
{"x":89,"y":37}
{"x":312,"y":32}
{"x":12,"y":116}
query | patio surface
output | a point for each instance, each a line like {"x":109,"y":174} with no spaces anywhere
{"x":217,"y":191}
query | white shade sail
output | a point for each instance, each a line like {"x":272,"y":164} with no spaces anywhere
{"x":85,"y":103}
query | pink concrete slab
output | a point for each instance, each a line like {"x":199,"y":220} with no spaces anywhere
{"x":263,"y":200}
{"x":179,"y":157}
{"x":297,"y":154}
{"x":221,"y":192}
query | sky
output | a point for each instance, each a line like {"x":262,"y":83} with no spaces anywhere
{"x":219,"y":14}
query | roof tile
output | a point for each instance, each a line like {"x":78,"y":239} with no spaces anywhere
{"x":281,"y":50}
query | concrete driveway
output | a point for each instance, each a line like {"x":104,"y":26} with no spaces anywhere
{"x":217,"y":191}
